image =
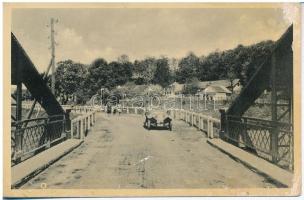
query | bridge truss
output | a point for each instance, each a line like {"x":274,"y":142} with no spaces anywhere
{"x":30,"y":135}
{"x":271,"y":139}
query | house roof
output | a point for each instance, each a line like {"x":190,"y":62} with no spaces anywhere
{"x":225,"y":83}
{"x":216,"y":89}
{"x":177,"y":87}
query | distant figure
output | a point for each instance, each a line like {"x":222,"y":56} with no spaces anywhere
{"x":114,"y":110}
{"x":109,"y":109}
{"x":119,"y":109}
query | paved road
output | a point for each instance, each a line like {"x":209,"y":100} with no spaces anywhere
{"x":120,"y":153}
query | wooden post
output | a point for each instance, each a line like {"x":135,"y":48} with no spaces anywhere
{"x":181,"y":101}
{"x":223,"y":129}
{"x":72,"y":128}
{"x":77,"y":134}
{"x":208,"y":127}
{"x":192,"y":119}
{"x":67,"y":119}
{"x":211,"y":129}
{"x":80,"y":128}
{"x":186,"y":116}
{"x":85,"y":124}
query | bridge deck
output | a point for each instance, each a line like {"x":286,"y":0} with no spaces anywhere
{"x":119,"y":153}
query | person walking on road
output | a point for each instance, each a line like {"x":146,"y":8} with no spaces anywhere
{"x":119,"y":109}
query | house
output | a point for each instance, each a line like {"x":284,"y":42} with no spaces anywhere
{"x":215,"y":92}
{"x":174,"y":89}
{"x":234,"y":85}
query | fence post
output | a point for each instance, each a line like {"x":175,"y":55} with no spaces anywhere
{"x":72,"y":128}
{"x":81,"y":128}
{"x":223,"y":124}
{"x":85,"y":125}
{"x":187,"y":117}
{"x":192,"y":119}
{"x":77,"y":136}
{"x":208,"y":127}
{"x":211,"y":129}
{"x":48,"y":132}
{"x":67,"y":119}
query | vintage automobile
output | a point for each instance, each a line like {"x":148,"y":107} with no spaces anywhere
{"x":158,"y":119}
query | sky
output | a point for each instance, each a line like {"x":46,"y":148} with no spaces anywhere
{"x":86,"y":34}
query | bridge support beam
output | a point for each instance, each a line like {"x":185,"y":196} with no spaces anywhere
{"x":274,"y":132}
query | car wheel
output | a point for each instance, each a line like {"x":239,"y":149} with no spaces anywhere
{"x":148,"y":125}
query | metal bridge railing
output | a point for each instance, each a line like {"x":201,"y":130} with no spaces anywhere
{"x":270,"y":140}
{"x":39,"y":133}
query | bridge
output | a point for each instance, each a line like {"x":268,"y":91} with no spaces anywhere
{"x":116,"y":151}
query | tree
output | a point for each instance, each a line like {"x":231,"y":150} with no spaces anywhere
{"x":70,"y":77}
{"x":121,"y":72}
{"x":191,"y":87}
{"x":188,"y":68}
{"x":100,"y":76}
{"x":123,"y":59}
{"x":240,"y":62}
{"x":144,"y":70}
{"x":162,"y":75}
{"x":231,"y":77}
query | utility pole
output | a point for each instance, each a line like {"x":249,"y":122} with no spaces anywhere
{"x":53,"y":44}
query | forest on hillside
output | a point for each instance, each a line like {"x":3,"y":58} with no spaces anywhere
{"x":83,"y":81}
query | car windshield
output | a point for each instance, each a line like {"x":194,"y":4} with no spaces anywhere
{"x":157,"y":113}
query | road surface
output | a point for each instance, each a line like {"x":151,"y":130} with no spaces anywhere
{"x":119,"y":153}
